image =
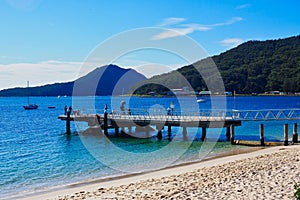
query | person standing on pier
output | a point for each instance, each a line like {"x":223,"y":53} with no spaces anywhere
{"x":168,"y":111}
{"x":105,"y":120}
{"x":66,"y":109}
{"x":172,"y":106}
{"x":105,"y":108}
{"x":70,"y":110}
{"x":122,"y":107}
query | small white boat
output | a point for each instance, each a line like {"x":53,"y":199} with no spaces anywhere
{"x":201,"y":100}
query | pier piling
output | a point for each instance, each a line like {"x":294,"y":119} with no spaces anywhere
{"x":286,"y":134}
{"x":295,"y":133}
{"x":117,"y":131}
{"x":159,"y":128}
{"x":232,"y":134}
{"x":228,"y":133}
{"x":159,"y":135}
{"x":203,"y":137}
{"x":123,"y":131}
{"x":105,"y":127}
{"x":184,"y":133}
{"x":68,"y":123}
{"x":262,"y":137}
{"x":169,"y":131}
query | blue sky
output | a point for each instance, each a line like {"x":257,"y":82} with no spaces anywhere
{"x":46,"y":41}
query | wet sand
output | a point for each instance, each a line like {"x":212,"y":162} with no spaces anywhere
{"x":267,"y":173}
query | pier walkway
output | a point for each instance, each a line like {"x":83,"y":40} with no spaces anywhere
{"x":143,"y":121}
{"x":266,"y":115}
{"x":203,"y":119}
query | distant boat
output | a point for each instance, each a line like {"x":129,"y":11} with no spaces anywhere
{"x":201,"y":100}
{"x":30,"y":106}
{"x":51,"y":107}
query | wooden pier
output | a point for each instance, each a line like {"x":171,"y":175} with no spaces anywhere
{"x":115,"y":121}
{"x":143,"y":121}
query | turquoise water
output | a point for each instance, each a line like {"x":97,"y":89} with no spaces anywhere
{"x":36,"y":153}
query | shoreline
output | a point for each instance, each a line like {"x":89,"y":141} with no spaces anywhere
{"x":93,"y":185}
{"x":170,"y":96}
{"x":240,"y":150}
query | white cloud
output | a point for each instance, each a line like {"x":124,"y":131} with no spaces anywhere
{"x":188,"y":28}
{"x":175,"y":32}
{"x":242,"y":6}
{"x":233,"y":20}
{"x":198,"y":27}
{"x":16,"y":75}
{"x":172,"y":21}
{"x":228,"y":22}
{"x":231,"y":42}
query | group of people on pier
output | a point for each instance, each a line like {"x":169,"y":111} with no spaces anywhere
{"x":68,"y":111}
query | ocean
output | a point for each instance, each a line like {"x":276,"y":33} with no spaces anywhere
{"x":37,"y":154}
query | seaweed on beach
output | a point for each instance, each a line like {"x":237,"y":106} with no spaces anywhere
{"x":297,"y":192}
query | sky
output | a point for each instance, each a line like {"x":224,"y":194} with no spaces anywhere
{"x":48,"y":41}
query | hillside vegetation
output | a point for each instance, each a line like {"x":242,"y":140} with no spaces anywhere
{"x":252,"y":67}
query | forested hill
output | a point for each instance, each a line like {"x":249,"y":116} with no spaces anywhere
{"x":257,"y":66}
{"x":252,"y":67}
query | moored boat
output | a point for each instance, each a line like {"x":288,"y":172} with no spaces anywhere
{"x":201,"y":100}
{"x":30,"y":106}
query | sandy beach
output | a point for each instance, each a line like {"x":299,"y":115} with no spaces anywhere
{"x":268,"y":173}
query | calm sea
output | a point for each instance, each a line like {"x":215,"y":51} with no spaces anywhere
{"x":35,"y":152}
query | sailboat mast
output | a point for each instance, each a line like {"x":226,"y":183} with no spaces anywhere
{"x":29,"y":106}
{"x":234,"y":100}
{"x":28,"y":92}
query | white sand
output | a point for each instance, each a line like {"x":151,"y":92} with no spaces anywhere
{"x":265,"y":174}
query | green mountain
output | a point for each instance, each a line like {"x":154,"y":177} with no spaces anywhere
{"x":252,"y":67}
{"x":106,"y":80}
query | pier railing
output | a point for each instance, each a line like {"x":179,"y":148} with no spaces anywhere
{"x":266,"y":115}
{"x":162,"y":118}
{"x":241,"y":115}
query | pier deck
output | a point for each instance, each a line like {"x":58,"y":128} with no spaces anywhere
{"x":116,"y":121}
{"x":144,"y":120}
{"x":203,"y":119}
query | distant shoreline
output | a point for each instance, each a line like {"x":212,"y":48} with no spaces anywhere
{"x":215,"y":95}
{"x":168,"y":96}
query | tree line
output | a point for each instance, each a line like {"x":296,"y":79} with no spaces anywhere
{"x":252,"y":67}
